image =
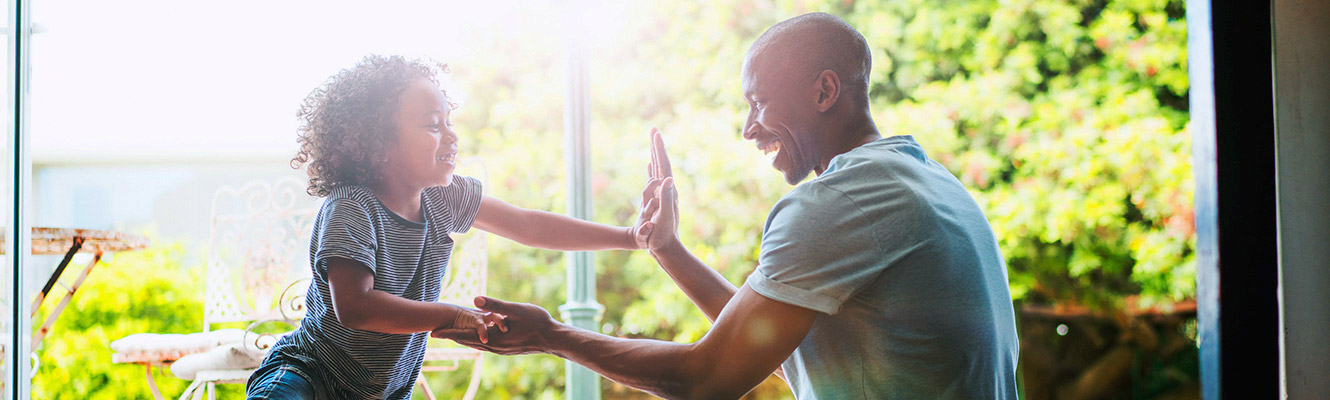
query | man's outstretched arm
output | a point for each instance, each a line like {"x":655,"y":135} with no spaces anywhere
{"x":751,"y":337}
{"x":703,"y":285}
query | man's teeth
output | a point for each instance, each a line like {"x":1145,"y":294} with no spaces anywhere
{"x":771,"y":148}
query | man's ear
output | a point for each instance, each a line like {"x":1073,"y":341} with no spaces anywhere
{"x":828,"y":90}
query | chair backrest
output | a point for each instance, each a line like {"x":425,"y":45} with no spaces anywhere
{"x":258,"y":252}
{"x":467,"y":270}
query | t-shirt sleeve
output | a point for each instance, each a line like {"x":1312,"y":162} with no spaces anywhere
{"x":344,"y":231}
{"x":462,"y":198}
{"x":818,"y":250}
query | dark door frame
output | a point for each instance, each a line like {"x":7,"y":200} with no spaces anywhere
{"x":1230,"y":53}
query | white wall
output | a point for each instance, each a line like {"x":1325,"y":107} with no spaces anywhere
{"x":1302,"y":112}
{"x":168,"y":200}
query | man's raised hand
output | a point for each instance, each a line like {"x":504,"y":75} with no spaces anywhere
{"x":658,"y":220}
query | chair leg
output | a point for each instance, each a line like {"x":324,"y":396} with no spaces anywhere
{"x":152,"y":385}
{"x":192,"y":391}
{"x":212,"y":391}
{"x":424,"y":386}
{"x":475,"y":377}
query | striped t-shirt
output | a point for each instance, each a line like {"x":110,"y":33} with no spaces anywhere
{"x":408,"y":259}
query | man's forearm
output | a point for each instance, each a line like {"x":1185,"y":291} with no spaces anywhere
{"x":666,"y":369}
{"x":703,"y":285}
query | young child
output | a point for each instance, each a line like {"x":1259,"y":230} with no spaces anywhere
{"x":377,"y":141}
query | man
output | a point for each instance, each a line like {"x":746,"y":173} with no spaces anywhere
{"x":880,"y":278}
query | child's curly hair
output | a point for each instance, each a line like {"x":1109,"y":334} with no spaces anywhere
{"x":349,"y":122}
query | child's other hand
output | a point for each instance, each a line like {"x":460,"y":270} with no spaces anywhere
{"x":468,"y":319}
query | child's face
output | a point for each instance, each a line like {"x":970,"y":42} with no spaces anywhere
{"x":426,"y":151}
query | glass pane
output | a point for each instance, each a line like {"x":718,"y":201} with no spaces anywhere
{"x":7,"y":342}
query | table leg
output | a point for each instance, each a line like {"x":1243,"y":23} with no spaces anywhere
{"x":59,"y":269}
{"x":50,"y":319}
{"x":153,"y":385}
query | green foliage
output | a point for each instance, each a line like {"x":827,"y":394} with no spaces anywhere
{"x":1067,"y":120}
{"x":138,"y":291}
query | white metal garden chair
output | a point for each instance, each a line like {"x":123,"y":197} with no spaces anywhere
{"x":257,"y":273}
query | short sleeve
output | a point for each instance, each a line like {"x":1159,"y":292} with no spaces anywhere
{"x":818,"y":250}
{"x":344,"y":231}
{"x":462,"y":199}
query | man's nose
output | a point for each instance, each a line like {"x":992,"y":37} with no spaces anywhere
{"x":749,"y":130}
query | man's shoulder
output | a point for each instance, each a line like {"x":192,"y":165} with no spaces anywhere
{"x":872,"y":162}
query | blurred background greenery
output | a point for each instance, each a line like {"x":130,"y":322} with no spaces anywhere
{"x":1066,"y":119}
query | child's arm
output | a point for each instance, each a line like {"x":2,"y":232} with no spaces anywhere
{"x":553,"y":231}
{"x":359,"y":306}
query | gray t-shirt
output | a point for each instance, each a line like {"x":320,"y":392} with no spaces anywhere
{"x":408,"y":260}
{"x":905,"y":273}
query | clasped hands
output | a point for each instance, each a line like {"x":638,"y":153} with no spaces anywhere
{"x":507,"y":328}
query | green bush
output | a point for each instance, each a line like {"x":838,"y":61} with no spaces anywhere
{"x":137,"y":291}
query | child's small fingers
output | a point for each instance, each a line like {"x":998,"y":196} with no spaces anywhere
{"x":649,"y":190}
{"x":646,"y":229}
{"x":651,"y":206}
{"x":484,"y":334}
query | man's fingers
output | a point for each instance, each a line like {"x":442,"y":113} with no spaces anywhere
{"x":668,"y":198}
{"x":492,"y":304}
{"x":654,"y":170}
{"x":659,"y":156}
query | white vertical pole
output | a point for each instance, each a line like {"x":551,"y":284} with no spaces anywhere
{"x":581,"y":310}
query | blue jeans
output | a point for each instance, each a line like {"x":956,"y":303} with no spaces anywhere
{"x":278,"y":380}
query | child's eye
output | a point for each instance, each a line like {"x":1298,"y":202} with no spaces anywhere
{"x":433,"y":127}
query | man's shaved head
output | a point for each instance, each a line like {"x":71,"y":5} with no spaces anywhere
{"x":803,"y":46}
